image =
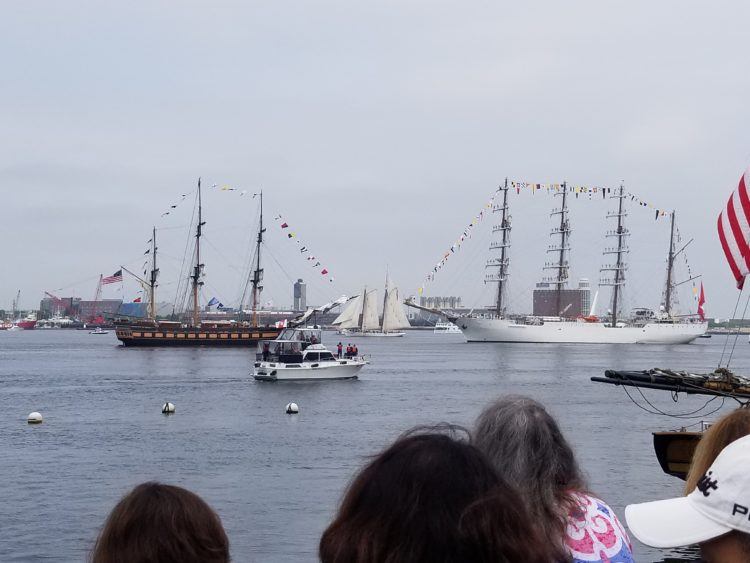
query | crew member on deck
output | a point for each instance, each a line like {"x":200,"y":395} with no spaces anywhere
{"x":340,"y":349}
{"x":266,"y":349}
{"x":355,"y":351}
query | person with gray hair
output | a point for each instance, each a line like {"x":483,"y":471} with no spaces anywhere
{"x":525,"y":444}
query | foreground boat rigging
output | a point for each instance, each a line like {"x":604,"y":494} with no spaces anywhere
{"x":650,"y":328}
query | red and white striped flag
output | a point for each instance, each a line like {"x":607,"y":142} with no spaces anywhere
{"x":114,"y":278}
{"x":734,"y":230}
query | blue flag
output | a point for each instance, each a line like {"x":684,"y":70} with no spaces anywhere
{"x":213,"y":301}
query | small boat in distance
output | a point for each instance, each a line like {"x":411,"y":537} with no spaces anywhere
{"x":360,"y":318}
{"x":446,"y":327}
{"x":297,"y":354}
{"x":98,"y":330}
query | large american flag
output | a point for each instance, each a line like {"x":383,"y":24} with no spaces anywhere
{"x":114,"y":278}
{"x":734,"y":230}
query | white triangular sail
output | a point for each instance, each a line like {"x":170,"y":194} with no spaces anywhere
{"x":349,"y":318}
{"x":394,"y":317}
{"x":370,"y":320}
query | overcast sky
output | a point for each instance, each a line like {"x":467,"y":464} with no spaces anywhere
{"x":379,"y":129}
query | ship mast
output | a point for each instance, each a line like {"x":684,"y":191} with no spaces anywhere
{"x":619,"y":266}
{"x":258,"y":272}
{"x":154,"y":275}
{"x":504,"y":245}
{"x":670,"y":268}
{"x":562,"y":263}
{"x":198,"y":268}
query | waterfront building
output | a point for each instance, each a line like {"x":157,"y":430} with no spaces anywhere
{"x":573,"y":302}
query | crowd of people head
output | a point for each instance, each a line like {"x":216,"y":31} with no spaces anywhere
{"x":508,"y":490}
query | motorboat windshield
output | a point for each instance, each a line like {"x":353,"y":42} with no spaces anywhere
{"x":308,"y":335}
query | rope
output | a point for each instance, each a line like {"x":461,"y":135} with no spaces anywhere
{"x":734,"y":315}
{"x":687,"y":415}
{"x":738,"y":332}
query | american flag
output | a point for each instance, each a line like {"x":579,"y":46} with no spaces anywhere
{"x":114,"y":278}
{"x":734,"y":230}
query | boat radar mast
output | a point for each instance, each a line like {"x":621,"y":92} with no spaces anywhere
{"x":198,"y":268}
{"x":501,"y":263}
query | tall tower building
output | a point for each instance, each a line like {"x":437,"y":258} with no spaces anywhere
{"x":300,"y":295}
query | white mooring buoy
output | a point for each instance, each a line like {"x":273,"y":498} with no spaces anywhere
{"x":292,"y":408}
{"x":167,"y":408}
{"x":35,"y":418}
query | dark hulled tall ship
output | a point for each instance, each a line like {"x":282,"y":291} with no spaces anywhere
{"x":193,"y":331}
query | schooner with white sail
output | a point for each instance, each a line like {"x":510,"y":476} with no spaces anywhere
{"x":360,"y":317}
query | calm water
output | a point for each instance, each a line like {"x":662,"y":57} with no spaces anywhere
{"x":275,"y":479}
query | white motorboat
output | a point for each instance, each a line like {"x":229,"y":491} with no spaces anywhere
{"x":446,"y":327}
{"x":98,"y":330}
{"x":360,"y":318}
{"x":297,"y":354}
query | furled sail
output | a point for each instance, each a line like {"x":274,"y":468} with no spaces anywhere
{"x":370,"y":320}
{"x":349,"y":318}
{"x":394,"y":317}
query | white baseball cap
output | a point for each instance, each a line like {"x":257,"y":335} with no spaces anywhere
{"x":719,"y":504}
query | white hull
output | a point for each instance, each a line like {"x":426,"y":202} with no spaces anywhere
{"x":276,"y":371}
{"x":360,"y":334}
{"x":446,"y":328}
{"x":575,"y":332}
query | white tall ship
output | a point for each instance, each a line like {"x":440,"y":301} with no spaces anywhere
{"x":360,"y":317}
{"x":646,"y":327}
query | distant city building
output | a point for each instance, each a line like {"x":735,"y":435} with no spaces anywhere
{"x":65,"y":306}
{"x":138,"y":310}
{"x":77,"y":308}
{"x":300,"y":296}
{"x":573,"y":302}
{"x":103,"y":308}
{"x":451,"y":302}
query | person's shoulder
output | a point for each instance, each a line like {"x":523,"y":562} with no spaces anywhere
{"x":594,"y":529}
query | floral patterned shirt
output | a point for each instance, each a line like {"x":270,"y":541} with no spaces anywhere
{"x":594,"y":534}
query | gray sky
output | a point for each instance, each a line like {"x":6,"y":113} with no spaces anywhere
{"x":377,"y":128}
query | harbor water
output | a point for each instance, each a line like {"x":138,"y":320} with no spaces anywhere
{"x":276,"y":479}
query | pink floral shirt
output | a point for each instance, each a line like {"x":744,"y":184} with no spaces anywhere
{"x":594,"y":533}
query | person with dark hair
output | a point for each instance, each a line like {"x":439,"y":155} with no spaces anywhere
{"x":432,"y":498}
{"x":526,"y":446}
{"x":266,"y":351}
{"x":156,"y":523}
